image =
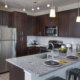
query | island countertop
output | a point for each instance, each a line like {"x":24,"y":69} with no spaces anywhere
{"x":35,"y":65}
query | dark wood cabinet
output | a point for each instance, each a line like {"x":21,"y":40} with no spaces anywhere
{"x":30,"y":28}
{"x":38,"y":28}
{"x":35,"y":26}
{"x":10,"y":21}
{"x":63,"y":24}
{"x":45,"y":20}
{"x":21,"y":49}
{"x":33,"y":50}
{"x":68,"y":27}
{"x":19,"y":21}
{"x":74,"y":26}
{"x":3,"y":17}
{"x":15,"y":73}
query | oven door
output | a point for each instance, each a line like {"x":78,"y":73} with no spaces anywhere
{"x":51,"y":31}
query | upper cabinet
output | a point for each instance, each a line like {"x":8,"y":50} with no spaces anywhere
{"x":68,"y":27}
{"x":63,"y":24}
{"x":19,"y":21}
{"x":30,"y":28}
{"x":3,"y":17}
{"x":45,"y":20}
{"x":74,"y":26}
{"x":35,"y":25}
{"x":10,"y":17}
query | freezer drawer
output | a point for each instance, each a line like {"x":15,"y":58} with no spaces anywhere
{"x":6,"y":51}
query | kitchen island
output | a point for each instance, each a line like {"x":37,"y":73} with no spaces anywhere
{"x":33,"y":67}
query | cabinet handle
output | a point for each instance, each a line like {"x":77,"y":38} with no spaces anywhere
{"x":22,"y":38}
{"x":22,"y":33}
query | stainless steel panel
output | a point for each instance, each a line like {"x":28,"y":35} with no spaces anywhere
{"x":7,"y":34}
{"x":7,"y":46}
{"x":2,"y":59}
{"x":7,"y":50}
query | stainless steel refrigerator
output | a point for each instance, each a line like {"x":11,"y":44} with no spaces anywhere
{"x":7,"y":46}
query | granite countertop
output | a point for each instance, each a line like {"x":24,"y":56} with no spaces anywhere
{"x":35,"y":65}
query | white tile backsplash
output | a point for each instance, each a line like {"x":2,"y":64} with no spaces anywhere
{"x":44,"y":40}
{"x":30,"y":39}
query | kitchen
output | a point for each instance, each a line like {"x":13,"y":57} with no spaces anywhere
{"x":32,"y":28}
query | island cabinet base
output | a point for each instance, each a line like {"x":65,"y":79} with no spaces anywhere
{"x":15,"y":73}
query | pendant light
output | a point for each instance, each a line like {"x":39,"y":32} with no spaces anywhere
{"x":48,"y":5}
{"x":24,"y":9}
{"x":6,"y":6}
{"x":78,"y":17}
{"x":52,"y":11}
{"x":38,"y":8}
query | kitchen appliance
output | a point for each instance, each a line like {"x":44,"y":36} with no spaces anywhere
{"x":51,"y":31}
{"x":54,"y":44}
{"x":7,"y":46}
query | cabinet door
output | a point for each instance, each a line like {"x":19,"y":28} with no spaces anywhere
{"x":21,"y":49}
{"x":10,"y":17}
{"x":42,"y":24}
{"x":0,"y":17}
{"x":19,"y":23}
{"x":30,"y":28}
{"x":53,"y":21}
{"x":38,"y":31}
{"x":44,"y":21}
{"x":63,"y":24}
{"x":5,"y":18}
{"x":74,"y":26}
{"x":33,"y":50}
{"x":34,"y":29}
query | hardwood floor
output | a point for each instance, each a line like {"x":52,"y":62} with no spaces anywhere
{"x":4,"y":76}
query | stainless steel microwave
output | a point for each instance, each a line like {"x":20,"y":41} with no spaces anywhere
{"x":51,"y":31}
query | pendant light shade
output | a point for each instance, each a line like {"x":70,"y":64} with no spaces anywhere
{"x":52,"y":11}
{"x":78,"y":19}
{"x":78,"y":16}
{"x":6,"y":6}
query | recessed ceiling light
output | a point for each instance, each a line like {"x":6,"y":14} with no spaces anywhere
{"x":48,"y":5}
{"x":6,"y":6}
{"x":38,"y":8}
{"x":24,"y":9}
{"x":33,"y":9}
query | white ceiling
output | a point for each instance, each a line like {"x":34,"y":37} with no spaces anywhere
{"x":28,"y":4}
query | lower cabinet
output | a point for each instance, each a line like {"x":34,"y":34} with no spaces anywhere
{"x":33,"y":50}
{"x":15,"y":73}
